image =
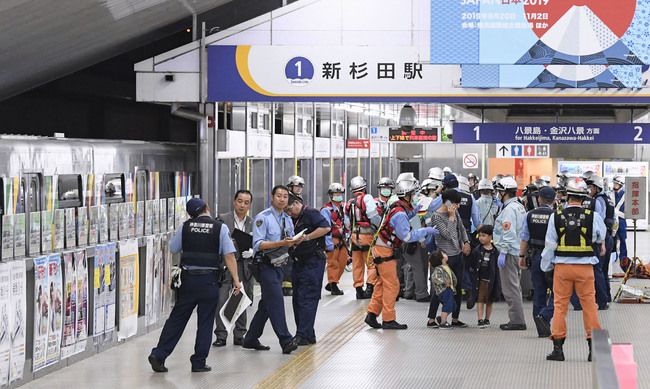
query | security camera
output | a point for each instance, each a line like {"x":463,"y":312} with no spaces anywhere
{"x":449,"y":127}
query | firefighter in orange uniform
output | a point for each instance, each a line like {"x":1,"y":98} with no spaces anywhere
{"x":335,"y":242}
{"x":394,"y":230}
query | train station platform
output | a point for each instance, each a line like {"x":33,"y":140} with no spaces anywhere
{"x":349,"y":354}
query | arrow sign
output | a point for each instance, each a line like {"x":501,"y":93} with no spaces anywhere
{"x":526,"y":150}
{"x":504,"y":151}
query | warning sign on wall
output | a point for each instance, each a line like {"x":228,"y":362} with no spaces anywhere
{"x":470,"y":161}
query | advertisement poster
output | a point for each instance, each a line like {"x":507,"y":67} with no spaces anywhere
{"x":70,"y":228}
{"x":19,"y":235}
{"x":113,"y":221}
{"x":98,"y":294}
{"x":131,"y":219}
{"x":157,"y":278}
{"x":59,"y":229}
{"x":93,"y":224}
{"x":149,"y":279}
{"x":109,"y":293}
{"x":157,"y":212}
{"x":576,"y":168}
{"x":7,"y":236}
{"x":35,"y":233}
{"x":41,"y":311}
{"x":128,"y":289}
{"x":103,"y":223}
{"x":46,"y":231}
{"x":139,"y":218}
{"x":148,"y":217}
{"x":165,"y":267}
{"x":171,"y":213}
{"x":5,"y":329}
{"x":81,"y":267}
{"x":55,"y":313}
{"x":82,"y":233}
{"x":123,"y":220}
{"x":70,"y":314}
{"x":18,"y":318}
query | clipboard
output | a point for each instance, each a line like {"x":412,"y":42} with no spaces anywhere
{"x":243,"y":240}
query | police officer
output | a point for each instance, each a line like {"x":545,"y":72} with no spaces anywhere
{"x":568,"y":252}
{"x":385,"y":185}
{"x":507,"y":227}
{"x":203,"y":241}
{"x":335,"y":242}
{"x":605,"y":204}
{"x":532,"y":237}
{"x":308,"y":267}
{"x":394,"y":230}
{"x":272,"y":238}
{"x":531,"y":199}
{"x":237,"y":219}
{"x":621,"y":231}
{"x":295,"y":185}
{"x":487,"y":207}
{"x":362,"y":219}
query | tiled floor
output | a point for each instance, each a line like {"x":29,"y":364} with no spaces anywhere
{"x":349,"y":354}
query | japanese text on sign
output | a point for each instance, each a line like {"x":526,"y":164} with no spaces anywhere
{"x":397,"y":134}
{"x":359,"y":70}
{"x":635,"y":198}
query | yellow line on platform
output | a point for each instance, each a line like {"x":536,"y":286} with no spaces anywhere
{"x":296,"y":371}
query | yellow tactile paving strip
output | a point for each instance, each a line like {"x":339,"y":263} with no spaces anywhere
{"x":293,"y":373}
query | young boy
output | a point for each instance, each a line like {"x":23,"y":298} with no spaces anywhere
{"x":444,"y":286}
{"x":483,"y":265}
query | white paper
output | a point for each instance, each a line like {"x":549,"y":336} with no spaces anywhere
{"x":243,"y":304}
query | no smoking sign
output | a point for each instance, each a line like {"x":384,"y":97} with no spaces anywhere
{"x":470,"y":161}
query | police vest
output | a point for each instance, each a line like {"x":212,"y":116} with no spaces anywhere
{"x":386,"y":231}
{"x":337,"y":221}
{"x":589,"y":203}
{"x":537,"y":221}
{"x":574,"y":227}
{"x":356,"y":210}
{"x":304,"y":221}
{"x":532,"y":201}
{"x":201,"y":242}
{"x":465,"y":210}
{"x":609,"y":211}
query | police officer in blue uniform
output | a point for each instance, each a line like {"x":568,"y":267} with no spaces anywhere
{"x":202,"y":240}
{"x":532,"y":237}
{"x":308,"y":267}
{"x":605,"y":208}
{"x":272,"y":238}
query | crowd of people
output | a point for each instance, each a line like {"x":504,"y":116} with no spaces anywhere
{"x":448,"y":239}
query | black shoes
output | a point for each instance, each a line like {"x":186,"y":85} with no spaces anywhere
{"x":432,"y":324}
{"x":334,"y":288}
{"x":258,"y":347}
{"x":219,"y":343}
{"x":289,"y":347}
{"x":361,"y":294}
{"x":201,"y":369}
{"x":301,"y":341}
{"x":513,"y":327}
{"x":557,"y":354}
{"x":371,"y":320}
{"x":393,"y":325}
{"x":458,"y":323}
{"x":604,"y":307}
{"x":369,"y":289}
{"x":328,"y":287}
{"x":589,"y":343}
{"x":238,"y":342}
{"x":157,"y":365}
{"x":543,"y":326}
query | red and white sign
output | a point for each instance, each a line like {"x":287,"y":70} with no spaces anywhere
{"x":470,"y":161}
{"x":358,"y":144}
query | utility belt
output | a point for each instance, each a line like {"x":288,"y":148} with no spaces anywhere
{"x":378,"y":260}
{"x":369,"y":230}
{"x":304,"y":259}
{"x":360,"y":248}
{"x":200,"y":271}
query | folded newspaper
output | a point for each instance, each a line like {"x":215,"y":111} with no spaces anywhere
{"x":233,"y":308}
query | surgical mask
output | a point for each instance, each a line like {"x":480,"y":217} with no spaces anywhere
{"x":385,"y":192}
{"x":337,"y":198}
{"x":415,"y":200}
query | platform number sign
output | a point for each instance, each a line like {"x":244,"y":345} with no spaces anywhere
{"x":299,"y":71}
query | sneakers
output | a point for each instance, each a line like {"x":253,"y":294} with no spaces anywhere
{"x":486,"y":322}
{"x":481,"y":323}
{"x":458,"y":323}
{"x":513,"y":327}
{"x":432,"y":324}
{"x":445,"y":326}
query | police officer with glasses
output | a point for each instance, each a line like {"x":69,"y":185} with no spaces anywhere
{"x":202,"y":241}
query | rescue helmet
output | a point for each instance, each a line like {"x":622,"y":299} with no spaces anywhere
{"x":357,"y":183}
{"x":560,"y":187}
{"x":496,"y":179}
{"x":386,"y":182}
{"x":563,"y":175}
{"x":463,"y":184}
{"x":408,"y":176}
{"x":472,"y":178}
{"x":507,"y":183}
{"x":546,"y":179}
{"x":406,"y":187}
{"x":619,"y":180}
{"x":436,"y":173}
{"x":429,"y":184}
{"x":335,"y":187}
{"x":597,"y":182}
{"x":485,"y":184}
{"x":295,"y":181}
{"x":576,"y":187}
{"x":446,"y":170}
{"x":588,"y":176}
{"x":539,"y":183}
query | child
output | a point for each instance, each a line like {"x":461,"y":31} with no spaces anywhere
{"x":483,"y":265}
{"x":444,"y":286}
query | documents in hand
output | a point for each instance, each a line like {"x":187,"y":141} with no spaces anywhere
{"x":233,"y":308}
{"x":244,"y":241}
{"x":299,"y":235}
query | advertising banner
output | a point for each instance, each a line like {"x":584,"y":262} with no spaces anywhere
{"x":70,"y":304}
{"x":81,"y":330}
{"x":41,"y":312}
{"x":149,"y":280}
{"x":5,"y":329}
{"x":55,"y":315}
{"x":111,"y":286}
{"x":18,"y":318}
{"x":128,"y":289}
{"x":99,"y":285}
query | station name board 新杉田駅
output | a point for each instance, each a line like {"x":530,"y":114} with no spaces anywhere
{"x":585,"y":133}
{"x":398,"y":134}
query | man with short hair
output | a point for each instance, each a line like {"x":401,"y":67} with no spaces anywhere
{"x":238,"y":219}
{"x":202,"y":241}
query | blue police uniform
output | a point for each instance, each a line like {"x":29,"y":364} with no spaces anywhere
{"x":203,"y":240}
{"x":601,"y":270}
{"x":308,"y":270}
{"x":621,"y":232}
{"x":270,"y":226}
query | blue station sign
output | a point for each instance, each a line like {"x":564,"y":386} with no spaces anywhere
{"x":585,"y":133}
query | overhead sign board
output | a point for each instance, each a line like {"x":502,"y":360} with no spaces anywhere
{"x":586,"y":133}
{"x":636,"y":197}
{"x":378,"y":134}
{"x":518,"y":150}
{"x":417,"y":134}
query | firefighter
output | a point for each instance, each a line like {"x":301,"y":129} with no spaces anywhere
{"x":335,"y":242}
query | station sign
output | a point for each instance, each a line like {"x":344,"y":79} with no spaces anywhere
{"x":585,"y":133}
{"x":417,"y":134}
{"x":518,"y":150}
{"x":379,"y":134}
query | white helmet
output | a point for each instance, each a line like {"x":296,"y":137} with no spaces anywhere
{"x":436,"y":173}
{"x":507,"y":183}
{"x":463,"y":184}
{"x":539,"y":183}
{"x":619,"y":180}
{"x":446,"y":170}
{"x":496,"y":179}
{"x":546,"y":179}
{"x":597,"y":182}
{"x":485,"y":184}
{"x":429,"y":183}
{"x":335,"y":187}
{"x":588,"y":176}
{"x":295,"y":181}
{"x":576,"y":187}
{"x":408,"y":176}
{"x":405,"y":187}
{"x":357,"y":183}
{"x":386,"y":182}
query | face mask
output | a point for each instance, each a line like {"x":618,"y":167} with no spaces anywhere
{"x":415,"y":200}
{"x":337,"y":198}
{"x":385,"y":192}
